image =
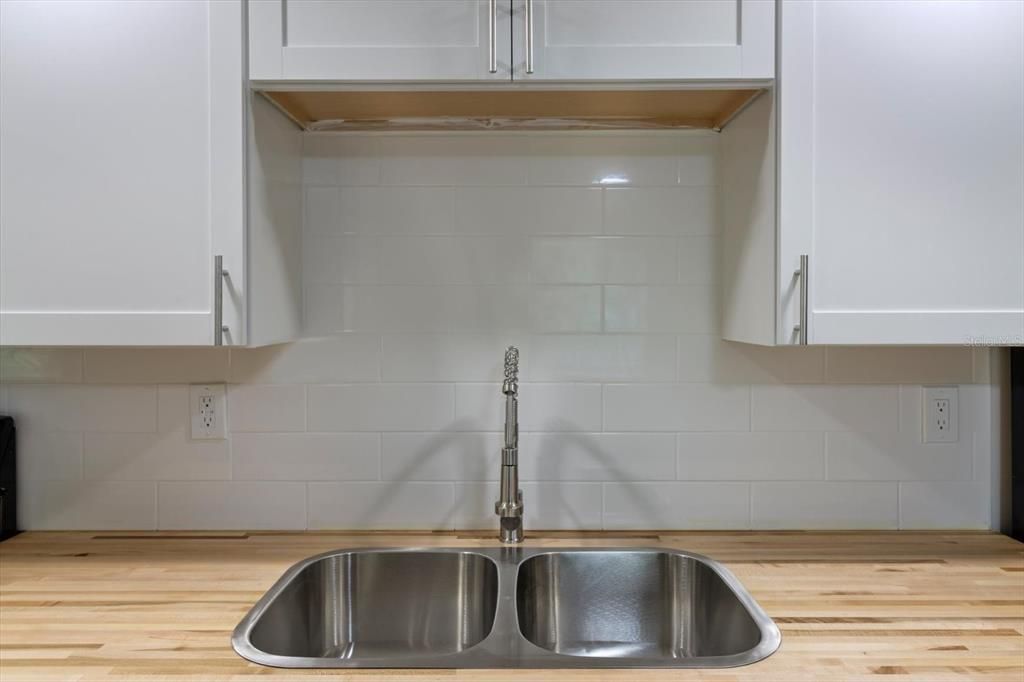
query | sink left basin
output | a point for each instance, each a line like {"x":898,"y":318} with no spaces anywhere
{"x":372,"y":604}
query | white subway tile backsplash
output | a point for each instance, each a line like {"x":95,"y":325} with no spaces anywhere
{"x":381,"y":505}
{"x":639,"y":260}
{"x":597,"y":457}
{"x":166,"y":456}
{"x":603,"y":160}
{"x":824,"y":408}
{"x":488,"y":309}
{"x":117,"y":408}
{"x":681,"y":211}
{"x":305,"y":457}
{"x":676,"y":505}
{"x":453,"y":160}
{"x":660,"y":309}
{"x":266,"y":407}
{"x":337,"y":359}
{"x":513,"y":309}
{"x":231,"y":505}
{"x":345,"y":259}
{"x":698,"y":260}
{"x":155,"y":365}
{"x":792,"y":456}
{"x":381,"y":407}
{"x":418,"y":260}
{"x":70,"y":407}
{"x":389,"y":210}
{"x":40,"y":365}
{"x":322,"y":309}
{"x":49,"y":455}
{"x":566,"y":260}
{"x":881,"y":365}
{"x":809,"y":505}
{"x":450,"y":260}
{"x":424,"y":257}
{"x":169,"y":454}
{"x":333,"y":159}
{"x":945,"y":504}
{"x":542,"y":407}
{"x":565,"y":309}
{"x":493,"y":210}
{"x":400,"y":309}
{"x":172,"y":408}
{"x":708,"y":358}
{"x":490,"y":260}
{"x":440,"y":456}
{"x":676,"y":407}
{"x":563,"y":210}
{"x":698,"y":159}
{"x":439,"y":357}
{"x":332,"y":308}
{"x":87,"y":505}
{"x":321,"y":208}
{"x":597,"y":260}
{"x":862,"y":456}
{"x":528,"y":210}
{"x":600,"y":357}
{"x":562,"y":506}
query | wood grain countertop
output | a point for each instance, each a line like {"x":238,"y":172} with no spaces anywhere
{"x":851,"y":605}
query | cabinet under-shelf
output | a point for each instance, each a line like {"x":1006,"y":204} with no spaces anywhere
{"x":541,"y":109}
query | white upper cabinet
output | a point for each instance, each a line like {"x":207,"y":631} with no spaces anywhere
{"x":123,"y":176}
{"x":359,"y":40}
{"x":573,"y":40}
{"x":900,"y":175}
{"x":121,"y":170}
{"x":472,"y":40}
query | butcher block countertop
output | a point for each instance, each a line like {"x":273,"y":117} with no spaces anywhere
{"x":852,"y":605}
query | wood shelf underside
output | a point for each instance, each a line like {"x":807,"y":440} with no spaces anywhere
{"x":512,"y":109}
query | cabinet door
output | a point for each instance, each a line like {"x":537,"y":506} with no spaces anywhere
{"x":379,"y":40}
{"x":121,"y":171}
{"x":902,"y":168}
{"x":643,"y":39}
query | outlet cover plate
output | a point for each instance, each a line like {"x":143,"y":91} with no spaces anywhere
{"x":941,"y":414}
{"x":208,"y":411}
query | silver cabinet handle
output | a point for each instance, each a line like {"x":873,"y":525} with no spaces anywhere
{"x":492,"y":30}
{"x":529,"y":36}
{"x":219,"y":274}
{"x":802,"y":274}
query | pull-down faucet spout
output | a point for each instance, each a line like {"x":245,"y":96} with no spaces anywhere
{"x":509,"y":506}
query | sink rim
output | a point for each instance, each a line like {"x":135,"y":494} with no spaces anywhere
{"x":505,"y":646}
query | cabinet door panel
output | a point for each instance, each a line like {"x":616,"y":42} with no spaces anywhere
{"x":377,"y":40}
{"x":106,"y":234}
{"x":905,"y":169}
{"x":645,"y":39}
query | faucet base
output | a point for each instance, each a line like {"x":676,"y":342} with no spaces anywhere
{"x":510,"y":529}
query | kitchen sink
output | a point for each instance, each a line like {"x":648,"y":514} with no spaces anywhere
{"x":507,"y":607}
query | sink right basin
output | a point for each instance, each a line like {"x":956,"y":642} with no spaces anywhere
{"x":621,"y":604}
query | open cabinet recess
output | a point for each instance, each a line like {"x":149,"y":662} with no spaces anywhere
{"x":511,"y":109}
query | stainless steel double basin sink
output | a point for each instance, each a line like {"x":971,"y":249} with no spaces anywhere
{"x":508,"y":607}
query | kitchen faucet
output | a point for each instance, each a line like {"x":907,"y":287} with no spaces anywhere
{"x":509,"y":506}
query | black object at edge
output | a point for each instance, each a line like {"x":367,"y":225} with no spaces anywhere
{"x":8,"y":478}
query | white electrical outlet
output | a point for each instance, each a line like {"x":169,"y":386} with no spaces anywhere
{"x":208,"y":410}
{"x":941,"y":414}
